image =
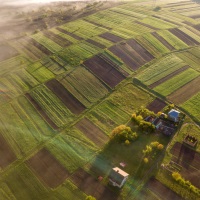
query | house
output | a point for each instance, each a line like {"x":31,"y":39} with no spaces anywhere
{"x":174,"y":115}
{"x":117,"y":177}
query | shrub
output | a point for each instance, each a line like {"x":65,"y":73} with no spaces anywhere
{"x":146,"y":160}
{"x":127,"y":142}
{"x":160,"y":146}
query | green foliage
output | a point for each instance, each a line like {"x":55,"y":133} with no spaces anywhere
{"x":146,"y":160}
{"x":157,"y":8}
{"x":90,"y":198}
{"x":123,"y":133}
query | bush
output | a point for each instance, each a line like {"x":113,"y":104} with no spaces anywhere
{"x":90,"y":198}
{"x":160,"y":146}
{"x":146,"y":160}
{"x":127,"y":142}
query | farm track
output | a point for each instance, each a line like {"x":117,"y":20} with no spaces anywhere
{"x":163,"y":41}
{"x":73,"y":104}
{"x":186,"y":92}
{"x":41,"y":111}
{"x":169,"y":76}
{"x":43,"y":160}
{"x":167,"y":20}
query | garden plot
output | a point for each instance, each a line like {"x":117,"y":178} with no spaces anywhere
{"x":7,"y":52}
{"x":156,"y":105}
{"x":82,"y":179}
{"x":47,"y":168}
{"x":65,"y":96}
{"x":106,"y":70}
{"x":91,"y":131}
{"x":95,"y":43}
{"x":161,"y":69}
{"x":86,"y":87}
{"x":176,"y":82}
{"x":7,"y":154}
{"x":186,"y":92}
{"x":159,"y":189}
{"x":111,"y":37}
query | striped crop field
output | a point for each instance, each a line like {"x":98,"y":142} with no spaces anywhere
{"x":176,"y":82}
{"x":84,"y":86}
{"x":52,"y":105}
{"x":160,"y":69}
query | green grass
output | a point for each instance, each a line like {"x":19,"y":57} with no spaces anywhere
{"x":160,"y":69}
{"x":84,"y":86}
{"x":52,"y":105}
{"x":176,"y":82}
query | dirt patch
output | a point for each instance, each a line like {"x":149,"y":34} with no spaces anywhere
{"x":169,"y":76}
{"x":6,"y":153}
{"x":57,"y":39}
{"x":156,"y":105}
{"x":92,"y":132}
{"x":70,"y":34}
{"x":41,"y":111}
{"x":186,"y":92}
{"x":96,"y":43}
{"x":146,"y":25}
{"x":161,"y":190}
{"x":66,"y":97}
{"x":7,"y":52}
{"x":184,"y":38}
{"x":163,"y":41}
{"x":105,"y":69}
{"x":111,"y":37}
{"x":140,"y":49}
{"x":91,"y":186}
{"x":47,"y":168}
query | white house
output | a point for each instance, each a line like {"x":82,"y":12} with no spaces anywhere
{"x":117,"y":177}
{"x":173,"y":115}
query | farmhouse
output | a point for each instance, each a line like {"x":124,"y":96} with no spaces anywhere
{"x":173,"y":115}
{"x":117,"y":177}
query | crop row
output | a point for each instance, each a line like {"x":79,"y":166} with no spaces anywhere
{"x":55,"y":109}
{"x":84,"y":86}
{"x":176,"y":82}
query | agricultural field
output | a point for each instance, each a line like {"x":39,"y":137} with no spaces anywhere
{"x":80,"y":85}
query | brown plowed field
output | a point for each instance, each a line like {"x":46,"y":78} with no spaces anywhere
{"x":111,"y":37}
{"x":6,"y":154}
{"x":70,"y":34}
{"x":57,"y":39}
{"x":104,"y":70}
{"x":7,"y":52}
{"x":130,"y":51}
{"x":66,"y":97}
{"x":197,"y":27}
{"x":163,"y":41}
{"x":140,"y":49}
{"x":125,"y":57}
{"x":92,"y":132}
{"x":40,"y":47}
{"x":91,"y":186}
{"x":162,"y":191}
{"x":156,"y":105}
{"x":41,"y":111}
{"x":190,"y":162}
{"x":195,"y":16}
{"x":169,"y":76}
{"x":186,"y":92}
{"x":96,"y":43}
{"x":47,"y":168}
{"x":182,"y":37}
{"x":147,"y":25}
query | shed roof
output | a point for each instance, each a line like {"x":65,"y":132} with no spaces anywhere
{"x":173,"y":113}
{"x":117,"y":175}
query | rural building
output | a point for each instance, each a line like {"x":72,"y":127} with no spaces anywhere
{"x":174,"y":115}
{"x":117,"y":177}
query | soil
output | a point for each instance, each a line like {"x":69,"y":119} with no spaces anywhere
{"x":186,"y":92}
{"x":111,"y":37}
{"x":66,"y":97}
{"x":82,"y":180}
{"x":96,"y":43}
{"x":185,"y":38}
{"x":141,"y":50}
{"x":161,"y":190}
{"x":47,"y":168}
{"x":163,"y":41}
{"x":70,"y":34}
{"x":169,"y":76}
{"x":6,"y":153}
{"x":157,"y":105}
{"x":41,"y":111}
{"x":104,"y":70}
{"x":57,"y":39}
{"x":91,"y":131}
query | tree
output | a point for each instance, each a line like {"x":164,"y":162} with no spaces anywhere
{"x":160,"y":146}
{"x":90,"y":198}
{"x":146,"y":160}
